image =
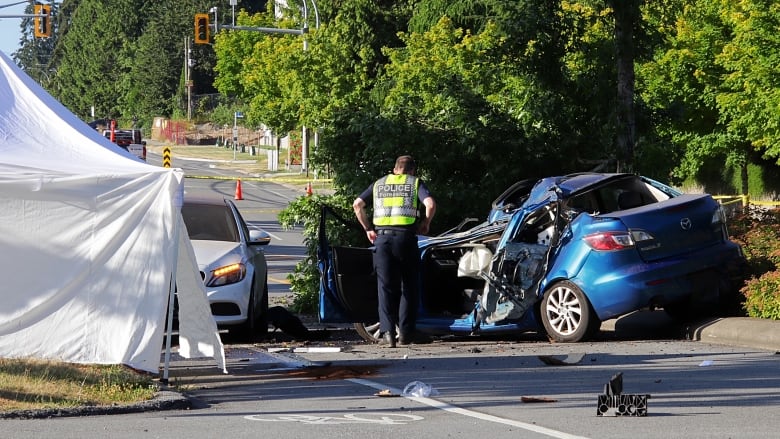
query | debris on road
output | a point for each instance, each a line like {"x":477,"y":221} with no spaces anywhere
{"x":568,"y":360}
{"x":419,"y":389}
{"x":317,"y":350}
{"x":533,"y":399}
{"x":615,"y":403}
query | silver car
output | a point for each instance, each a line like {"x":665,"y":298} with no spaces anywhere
{"x":231,"y":263}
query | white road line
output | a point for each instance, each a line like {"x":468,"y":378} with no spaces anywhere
{"x":452,"y":409}
{"x":278,"y":194}
{"x":276,"y":238}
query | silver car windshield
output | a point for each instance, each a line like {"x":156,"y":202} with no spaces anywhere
{"x":210,"y":223}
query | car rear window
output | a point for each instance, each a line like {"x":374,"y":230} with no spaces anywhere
{"x":209,"y":223}
{"x":618,"y":195}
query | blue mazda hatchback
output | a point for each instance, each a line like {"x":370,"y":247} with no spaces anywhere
{"x":559,"y":255}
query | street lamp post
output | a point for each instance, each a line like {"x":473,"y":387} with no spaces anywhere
{"x":304,"y":131}
{"x":303,"y":31}
{"x":237,"y":115}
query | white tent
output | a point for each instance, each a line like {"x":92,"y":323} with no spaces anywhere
{"x":89,"y":240}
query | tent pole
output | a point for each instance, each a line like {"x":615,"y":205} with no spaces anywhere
{"x":171,"y":296}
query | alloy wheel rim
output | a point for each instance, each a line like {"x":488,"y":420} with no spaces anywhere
{"x":564,"y":311}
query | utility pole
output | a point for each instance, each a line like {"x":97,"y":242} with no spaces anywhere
{"x":304,"y":131}
{"x":187,"y":75}
{"x":302,"y":31}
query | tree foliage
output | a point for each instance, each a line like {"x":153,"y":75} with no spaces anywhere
{"x":749,"y":100}
{"x":481,"y":92}
{"x":544,"y":76}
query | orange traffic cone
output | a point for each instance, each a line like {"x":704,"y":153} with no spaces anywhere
{"x":309,"y":192}
{"x":239,"y":195}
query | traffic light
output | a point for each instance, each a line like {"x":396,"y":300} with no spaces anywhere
{"x":42,"y":21}
{"x":201,"y":28}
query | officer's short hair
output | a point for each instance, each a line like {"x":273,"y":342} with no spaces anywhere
{"x":405,"y":164}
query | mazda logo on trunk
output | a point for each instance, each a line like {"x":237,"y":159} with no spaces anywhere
{"x":685,"y":223}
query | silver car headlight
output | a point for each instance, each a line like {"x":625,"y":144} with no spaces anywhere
{"x":229,"y":274}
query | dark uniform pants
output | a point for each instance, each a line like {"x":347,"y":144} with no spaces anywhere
{"x":396,"y":261}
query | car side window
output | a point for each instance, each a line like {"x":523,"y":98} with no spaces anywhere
{"x":585,"y":202}
{"x":623,"y":194}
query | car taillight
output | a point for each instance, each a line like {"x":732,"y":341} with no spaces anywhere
{"x":609,"y":241}
{"x":229,"y":274}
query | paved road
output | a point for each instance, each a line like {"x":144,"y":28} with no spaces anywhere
{"x":726,"y":385}
{"x":697,"y":390}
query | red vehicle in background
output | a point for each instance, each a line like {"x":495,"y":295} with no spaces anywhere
{"x":130,"y":140}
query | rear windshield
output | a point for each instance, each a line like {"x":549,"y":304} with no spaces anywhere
{"x":210,"y":223}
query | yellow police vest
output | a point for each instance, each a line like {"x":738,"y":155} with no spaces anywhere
{"x":395,"y":200}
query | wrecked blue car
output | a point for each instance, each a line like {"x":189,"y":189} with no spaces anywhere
{"x":559,"y":255}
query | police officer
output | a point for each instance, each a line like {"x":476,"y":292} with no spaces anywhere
{"x":393,"y":232}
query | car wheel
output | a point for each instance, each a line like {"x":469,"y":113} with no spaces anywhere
{"x":261,"y":325}
{"x":370,"y":332}
{"x":566,"y":313}
{"x":246,"y":330}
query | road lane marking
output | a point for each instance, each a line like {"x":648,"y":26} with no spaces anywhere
{"x":278,"y":281}
{"x":485,"y":417}
{"x":349,"y":418}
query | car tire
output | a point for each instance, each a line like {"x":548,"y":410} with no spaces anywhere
{"x":261,"y":325}
{"x":247,"y":330}
{"x":566,"y":313}
{"x":370,"y":332}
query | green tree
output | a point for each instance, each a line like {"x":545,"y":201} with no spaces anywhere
{"x":749,"y":100}
{"x":262,"y":69}
{"x":682,"y":84}
{"x":152,"y":77}
{"x":96,"y":52}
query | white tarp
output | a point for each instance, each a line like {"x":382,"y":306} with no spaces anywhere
{"x":89,"y":239}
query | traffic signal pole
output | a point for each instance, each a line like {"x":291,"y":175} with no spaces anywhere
{"x":41,"y":21}
{"x":202,"y":30}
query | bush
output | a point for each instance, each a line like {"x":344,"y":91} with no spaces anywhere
{"x":305,"y":212}
{"x":762,"y":296}
{"x":757,"y":230}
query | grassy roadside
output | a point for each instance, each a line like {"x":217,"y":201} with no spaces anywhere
{"x":254,"y":166}
{"x":27,"y":384}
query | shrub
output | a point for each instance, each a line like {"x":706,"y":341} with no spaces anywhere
{"x":305,"y":212}
{"x":762,"y":296}
{"x":757,"y":230}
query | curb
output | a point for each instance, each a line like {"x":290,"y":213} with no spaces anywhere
{"x":163,"y":400}
{"x":739,"y":331}
{"x":747,"y":332}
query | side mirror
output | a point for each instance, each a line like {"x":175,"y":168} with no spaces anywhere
{"x":259,"y":237}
